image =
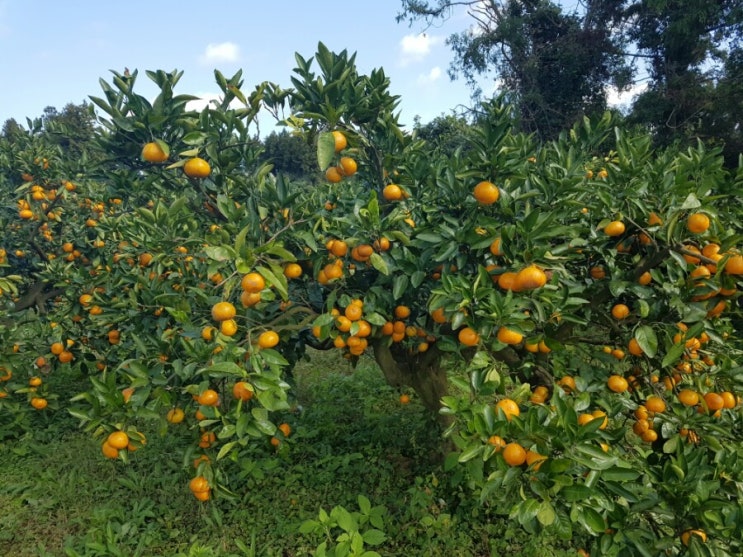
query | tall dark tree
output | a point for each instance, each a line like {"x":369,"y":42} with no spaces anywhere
{"x":553,"y":65}
{"x":289,"y":154}
{"x":693,"y":50}
{"x":557,"y":66}
{"x":72,"y":128}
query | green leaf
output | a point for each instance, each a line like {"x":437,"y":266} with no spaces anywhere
{"x":345,"y":519}
{"x":374,"y":537}
{"x":379,"y":263}
{"x":593,"y":520}
{"x":546,"y":514}
{"x":225,"y":449}
{"x":220,"y":253}
{"x":673,"y":355}
{"x":364,"y":504}
{"x":194,"y":138}
{"x":470,"y":453}
{"x":325,"y":150}
{"x":562,"y":526}
{"x":399,"y":286}
{"x":647,"y":339}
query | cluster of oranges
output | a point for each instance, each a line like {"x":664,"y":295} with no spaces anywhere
{"x":352,"y":329}
{"x":346,"y":166}
{"x":399,"y":330}
{"x":339,"y":249}
{"x":513,"y":453}
{"x":120,"y":440}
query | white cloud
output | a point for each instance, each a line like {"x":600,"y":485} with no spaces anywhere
{"x":622,"y":99}
{"x":220,"y":52}
{"x":431,"y":77}
{"x":206,"y":99}
{"x":414,"y":48}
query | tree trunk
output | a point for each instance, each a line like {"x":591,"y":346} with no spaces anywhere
{"x":420,"y":371}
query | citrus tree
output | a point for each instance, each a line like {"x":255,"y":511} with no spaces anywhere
{"x":569,"y":310}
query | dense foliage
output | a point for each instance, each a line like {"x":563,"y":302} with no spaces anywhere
{"x":569,"y":310}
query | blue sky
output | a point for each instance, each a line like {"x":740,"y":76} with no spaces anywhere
{"x":54,"y":52}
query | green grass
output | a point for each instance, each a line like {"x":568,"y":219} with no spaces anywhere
{"x":60,"y":497}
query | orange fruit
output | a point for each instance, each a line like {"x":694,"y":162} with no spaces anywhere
{"x":654,"y":220}
{"x":507,"y":281}
{"x":392,"y":192}
{"x":339,"y":248}
{"x":293,"y":270}
{"x":641,"y":426}
{"x":286,"y":429}
{"x":620,"y":311}
{"x":268,"y":339}
{"x":514,"y":454}
{"x":634,"y":347}
{"x":347,"y":166}
{"x":242,"y":391}
{"x":568,"y":384}
{"x":508,"y":336}
{"x":197,"y":168}
{"x":649,"y":436}
{"x":340,"y":141}
{"x":688,"y":397}
{"x":729,"y":400}
{"x":118,"y":440}
{"x":333,"y":175}
{"x":228,"y":327}
{"x":175,"y":415}
{"x":534,"y":459}
{"x":127,"y":393}
{"x":108,"y":451}
{"x":209,"y":397}
{"x":152,"y":152}
{"x":402,"y":312}
{"x":655,"y":404}
{"x":404,"y":399}
{"x":585,"y":418}
{"x":497,"y":442}
{"x":697,"y":223}
{"x":714,"y":401}
{"x":198,"y":484}
{"x":382,"y":244}
{"x":614,"y":228}
{"x":438,"y":316}
{"x":496,"y":248}
{"x":249,"y":299}
{"x":353,"y":312}
{"x":222,"y":311}
{"x":57,"y":348}
{"x":597,"y":273}
{"x":686,"y":536}
{"x":39,"y":403}
{"x":509,"y":407}
{"x":203,"y":495}
{"x":207,"y":439}
{"x":486,"y":193}
{"x":530,"y":278}
{"x":645,"y":278}
{"x":65,"y":357}
{"x":734,"y":265}
{"x":617,"y":383}
{"x":252,"y":282}
{"x":468,"y":337}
